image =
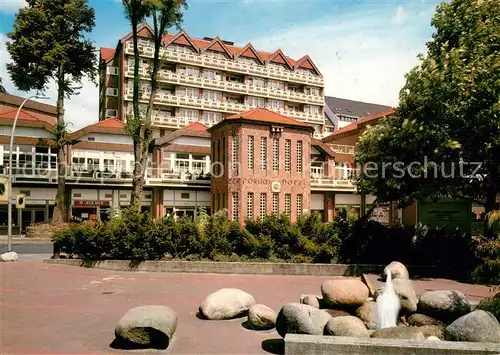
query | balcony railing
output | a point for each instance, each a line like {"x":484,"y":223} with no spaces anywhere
{"x":342,"y":149}
{"x":240,"y":88}
{"x":229,"y":65}
{"x":344,"y":178}
{"x":81,"y":174}
{"x":220,"y":106}
{"x":28,"y":172}
{"x":184,"y":176}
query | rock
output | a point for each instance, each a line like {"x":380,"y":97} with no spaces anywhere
{"x":348,"y":326}
{"x":367,"y":282}
{"x":310,"y":300}
{"x":444,"y":305}
{"x":398,"y":271}
{"x":261,"y":317}
{"x":407,"y":295}
{"x":299,"y":318}
{"x":399,"y":333}
{"x":151,"y":326}
{"x":433,"y":330}
{"x":368,"y":314}
{"x":9,"y":256}
{"x":477,"y":326}
{"x":226,"y":303}
{"x":419,"y":320}
{"x":341,"y":293}
{"x":336,"y":313}
{"x":432,"y":338}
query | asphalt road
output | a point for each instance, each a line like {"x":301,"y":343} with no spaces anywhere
{"x":29,"y":251}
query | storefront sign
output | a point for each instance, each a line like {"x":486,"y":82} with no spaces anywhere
{"x":381,"y":214}
{"x":257,"y":181}
{"x":447,"y":214}
{"x":90,"y":203}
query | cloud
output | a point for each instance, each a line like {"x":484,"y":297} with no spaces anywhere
{"x":400,"y":16}
{"x":11,"y":6}
{"x":80,"y":110}
{"x":362,"y":57}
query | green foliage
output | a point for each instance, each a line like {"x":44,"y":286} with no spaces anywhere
{"x":492,"y":305}
{"x":488,"y":271}
{"x":448,"y":112}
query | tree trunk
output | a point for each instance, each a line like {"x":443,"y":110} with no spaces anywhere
{"x":490,"y":204}
{"x":60,"y":214}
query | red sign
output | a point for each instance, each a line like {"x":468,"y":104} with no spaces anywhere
{"x":90,"y":203}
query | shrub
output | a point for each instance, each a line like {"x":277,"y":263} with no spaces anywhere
{"x":492,"y":305}
{"x":488,"y":270}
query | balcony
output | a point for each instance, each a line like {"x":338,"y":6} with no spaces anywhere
{"x":220,"y":106}
{"x":31,"y":173}
{"x":161,"y":176}
{"x":229,"y":86}
{"x":228,"y":65}
{"x":344,"y":179}
{"x":81,"y":174}
{"x":342,"y":149}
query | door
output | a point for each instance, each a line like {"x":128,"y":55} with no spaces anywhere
{"x":27,"y":219}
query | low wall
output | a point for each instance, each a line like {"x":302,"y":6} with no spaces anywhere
{"x":216,"y":267}
{"x":319,"y":345}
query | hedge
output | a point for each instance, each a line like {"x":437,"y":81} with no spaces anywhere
{"x":131,"y":236}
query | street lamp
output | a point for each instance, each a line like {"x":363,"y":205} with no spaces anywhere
{"x":9,"y":190}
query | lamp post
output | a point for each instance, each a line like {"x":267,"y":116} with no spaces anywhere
{"x":9,"y":190}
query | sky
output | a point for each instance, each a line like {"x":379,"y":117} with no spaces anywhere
{"x":363,"y":48}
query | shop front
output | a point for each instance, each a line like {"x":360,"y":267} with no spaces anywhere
{"x":84,"y":210}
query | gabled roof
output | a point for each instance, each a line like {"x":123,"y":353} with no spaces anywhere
{"x":262,"y":115}
{"x":218,"y":46}
{"x":355,"y":126}
{"x":108,"y":126}
{"x":196,"y":126}
{"x":181,"y":38}
{"x":353,"y":108}
{"x":30,"y":105}
{"x":306,"y":63}
{"x":323,"y":147}
{"x":27,"y":119}
{"x":144,"y":30}
{"x":280,"y":58}
{"x":181,"y":133}
{"x":249,"y":52}
{"x":107,"y":53}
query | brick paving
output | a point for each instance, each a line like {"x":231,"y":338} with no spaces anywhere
{"x":56,"y":309}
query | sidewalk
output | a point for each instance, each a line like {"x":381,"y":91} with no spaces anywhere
{"x":24,"y":240}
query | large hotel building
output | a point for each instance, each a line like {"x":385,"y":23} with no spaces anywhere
{"x":236,"y":128}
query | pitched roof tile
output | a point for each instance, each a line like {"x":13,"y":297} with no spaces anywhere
{"x":265,"y":116}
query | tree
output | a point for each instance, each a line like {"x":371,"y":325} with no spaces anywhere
{"x":448,"y":114}
{"x":2,"y":89}
{"x":165,"y":14}
{"x":48,"y":43}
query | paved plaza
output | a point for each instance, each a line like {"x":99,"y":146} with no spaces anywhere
{"x":56,"y":309}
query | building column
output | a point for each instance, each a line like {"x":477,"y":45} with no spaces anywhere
{"x":329,"y":169}
{"x":157,"y":209}
{"x":329,"y":206}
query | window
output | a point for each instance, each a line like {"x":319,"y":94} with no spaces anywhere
{"x":91,"y":139}
{"x":256,"y":82}
{"x":224,"y":202}
{"x":185,"y":195}
{"x":235,"y":206}
{"x":299,"y":156}
{"x":256,"y":102}
{"x":275,"y":104}
{"x":190,"y":115}
{"x":288,"y":201}
{"x":250,"y":205}
{"x":236,"y":152}
{"x":189,"y":92}
{"x":211,"y":74}
{"x":109,"y":164}
{"x":111,"y":92}
{"x":111,"y":113}
{"x":224,"y":151}
{"x":189,"y":71}
{"x":312,"y":110}
{"x":218,"y":157}
{"x":276,"y":149}
{"x":250,"y":152}
{"x":112,"y":70}
{"x":108,"y":195}
{"x":299,"y":205}
{"x":181,"y":49}
{"x":263,"y":153}
{"x":211,"y":117}
{"x":275,"y":85}
{"x":288,"y":148}
{"x":92,"y":164}
{"x":219,"y":201}
{"x":312,"y":91}
{"x":212,"y":95}
{"x":276,"y":198}
{"x":263,"y":204}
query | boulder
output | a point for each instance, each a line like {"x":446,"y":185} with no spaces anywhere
{"x":477,"y":326}
{"x":310,"y":300}
{"x":398,"y":271}
{"x":368,"y":283}
{"x":407,"y":295}
{"x":419,"y":320}
{"x":226,"y":303}
{"x":296,"y":318}
{"x":261,"y":317}
{"x":444,"y":305}
{"x":432,"y":338}
{"x":433,"y":330}
{"x":9,"y":256}
{"x":346,"y":292}
{"x":337,"y":312}
{"x":368,"y":314}
{"x":149,"y":326}
{"x":348,"y":326}
{"x":399,"y":333}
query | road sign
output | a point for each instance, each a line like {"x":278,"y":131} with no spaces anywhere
{"x":20,"y":201}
